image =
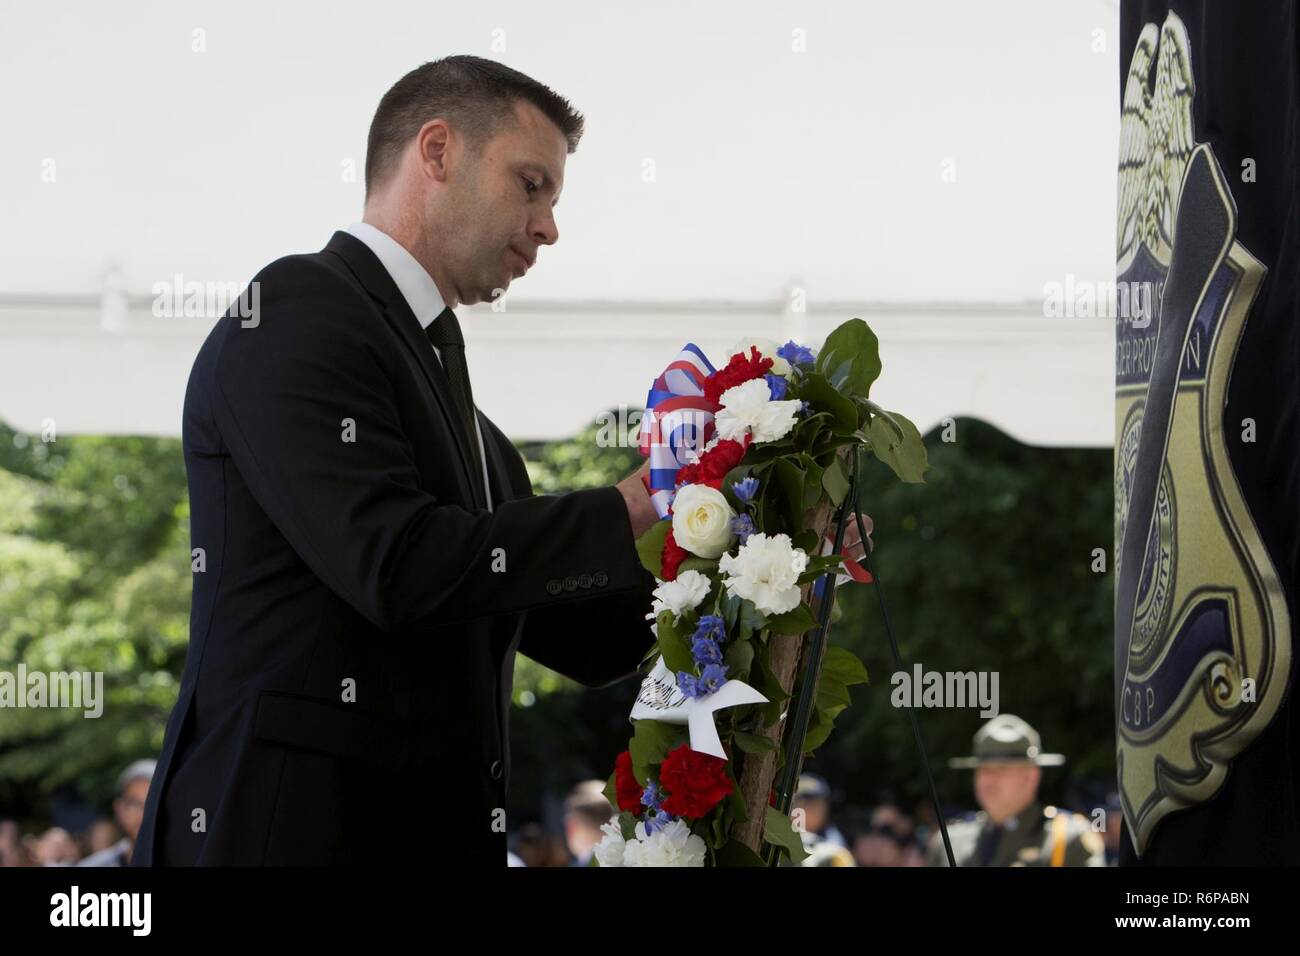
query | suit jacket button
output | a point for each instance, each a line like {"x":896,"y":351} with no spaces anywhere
{"x":553,"y":586}
{"x":600,"y":578}
{"x":584,"y":580}
{"x":570,"y":583}
{"x":496,"y":769}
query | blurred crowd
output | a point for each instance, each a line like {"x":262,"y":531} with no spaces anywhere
{"x":834,"y":834}
{"x":883,"y":835}
{"x":104,"y":843}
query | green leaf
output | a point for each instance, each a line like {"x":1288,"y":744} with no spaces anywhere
{"x":823,"y":396}
{"x":750,"y":619}
{"x":789,"y":479}
{"x":906,"y":453}
{"x":650,"y":743}
{"x":708,"y":566}
{"x":812,"y":486}
{"x":806,"y":541}
{"x":821,"y":728}
{"x":818,"y":565}
{"x":754,"y":743}
{"x":831,"y":693}
{"x":674,"y":644}
{"x":842,"y":664}
{"x":650,"y":547}
{"x":739,"y":657}
{"x":627,"y":825}
{"x":730,"y":608}
{"x":735,"y":853}
{"x":793,"y":622}
{"x":611,"y":789}
{"x":778,"y":831}
{"x":850,"y":358}
{"x":651,"y":655}
{"x":835,"y":482}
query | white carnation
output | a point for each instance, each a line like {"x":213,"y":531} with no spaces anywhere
{"x":749,"y":407}
{"x":609,"y":851}
{"x":672,"y":845}
{"x":681,"y":595}
{"x":702,"y":521}
{"x":766,"y":571}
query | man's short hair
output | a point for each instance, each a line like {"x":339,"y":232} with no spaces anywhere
{"x":587,"y":803}
{"x":139,"y":770}
{"x":477,"y":96}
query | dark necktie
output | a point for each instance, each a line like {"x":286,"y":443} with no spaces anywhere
{"x":987,"y":847}
{"x":444,"y":332}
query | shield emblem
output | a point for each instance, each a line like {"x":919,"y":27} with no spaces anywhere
{"x":1202,"y":629}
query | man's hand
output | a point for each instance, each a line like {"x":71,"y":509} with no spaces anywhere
{"x":853,"y":541}
{"x":640,"y":510}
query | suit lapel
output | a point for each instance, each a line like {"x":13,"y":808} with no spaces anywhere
{"x":372,"y":275}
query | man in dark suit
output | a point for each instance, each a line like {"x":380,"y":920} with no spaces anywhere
{"x":369,"y":555}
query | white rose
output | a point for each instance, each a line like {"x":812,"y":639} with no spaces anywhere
{"x":681,"y":595}
{"x":766,"y":348}
{"x":748,"y":407}
{"x":766,"y":571}
{"x":702,"y":520}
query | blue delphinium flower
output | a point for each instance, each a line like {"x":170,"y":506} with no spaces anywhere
{"x":775,"y":385}
{"x":706,"y":651}
{"x":655,"y":818}
{"x":650,"y":796}
{"x":712,"y":677}
{"x":711,"y":626}
{"x":742,"y":526}
{"x":745,"y":489}
{"x":796,"y":354}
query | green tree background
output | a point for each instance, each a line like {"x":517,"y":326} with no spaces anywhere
{"x":987,"y":566}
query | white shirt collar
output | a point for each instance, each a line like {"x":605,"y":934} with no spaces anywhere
{"x":411,"y":278}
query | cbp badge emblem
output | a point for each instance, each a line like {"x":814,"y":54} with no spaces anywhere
{"x":1202,"y":630}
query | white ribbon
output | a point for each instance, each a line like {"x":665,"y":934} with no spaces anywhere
{"x":660,"y":699}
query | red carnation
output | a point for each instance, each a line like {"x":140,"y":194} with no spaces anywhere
{"x":720,"y":459}
{"x":688,"y":474}
{"x":625,"y":785}
{"x":694,"y":782}
{"x":713,"y":465}
{"x":673,"y":556}
{"x":739,"y":370}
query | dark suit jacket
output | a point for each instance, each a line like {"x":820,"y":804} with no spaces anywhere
{"x":365,"y":565}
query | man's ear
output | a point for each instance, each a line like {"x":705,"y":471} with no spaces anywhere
{"x":433,"y":148}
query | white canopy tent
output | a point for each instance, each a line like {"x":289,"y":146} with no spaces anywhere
{"x":545,"y":370}
{"x":932,"y":171}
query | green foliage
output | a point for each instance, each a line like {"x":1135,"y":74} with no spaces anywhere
{"x":985,"y":567}
{"x":94,"y":576}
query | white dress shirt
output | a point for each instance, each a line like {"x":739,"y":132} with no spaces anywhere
{"x":421,"y":294}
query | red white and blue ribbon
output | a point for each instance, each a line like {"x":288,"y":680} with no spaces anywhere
{"x":678,"y":423}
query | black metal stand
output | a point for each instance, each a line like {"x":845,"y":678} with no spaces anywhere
{"x":798,"y":728}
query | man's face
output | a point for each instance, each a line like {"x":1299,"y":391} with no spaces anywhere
{"x":1004,"y":790}
{"x":498,"y":208}
{"x":129,"y":807}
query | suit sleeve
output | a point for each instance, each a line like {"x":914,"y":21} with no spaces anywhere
{"x":348,"y":497}
{"x":595,"y":642}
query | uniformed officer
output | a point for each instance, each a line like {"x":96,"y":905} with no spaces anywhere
{"x":1013,"y":828}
